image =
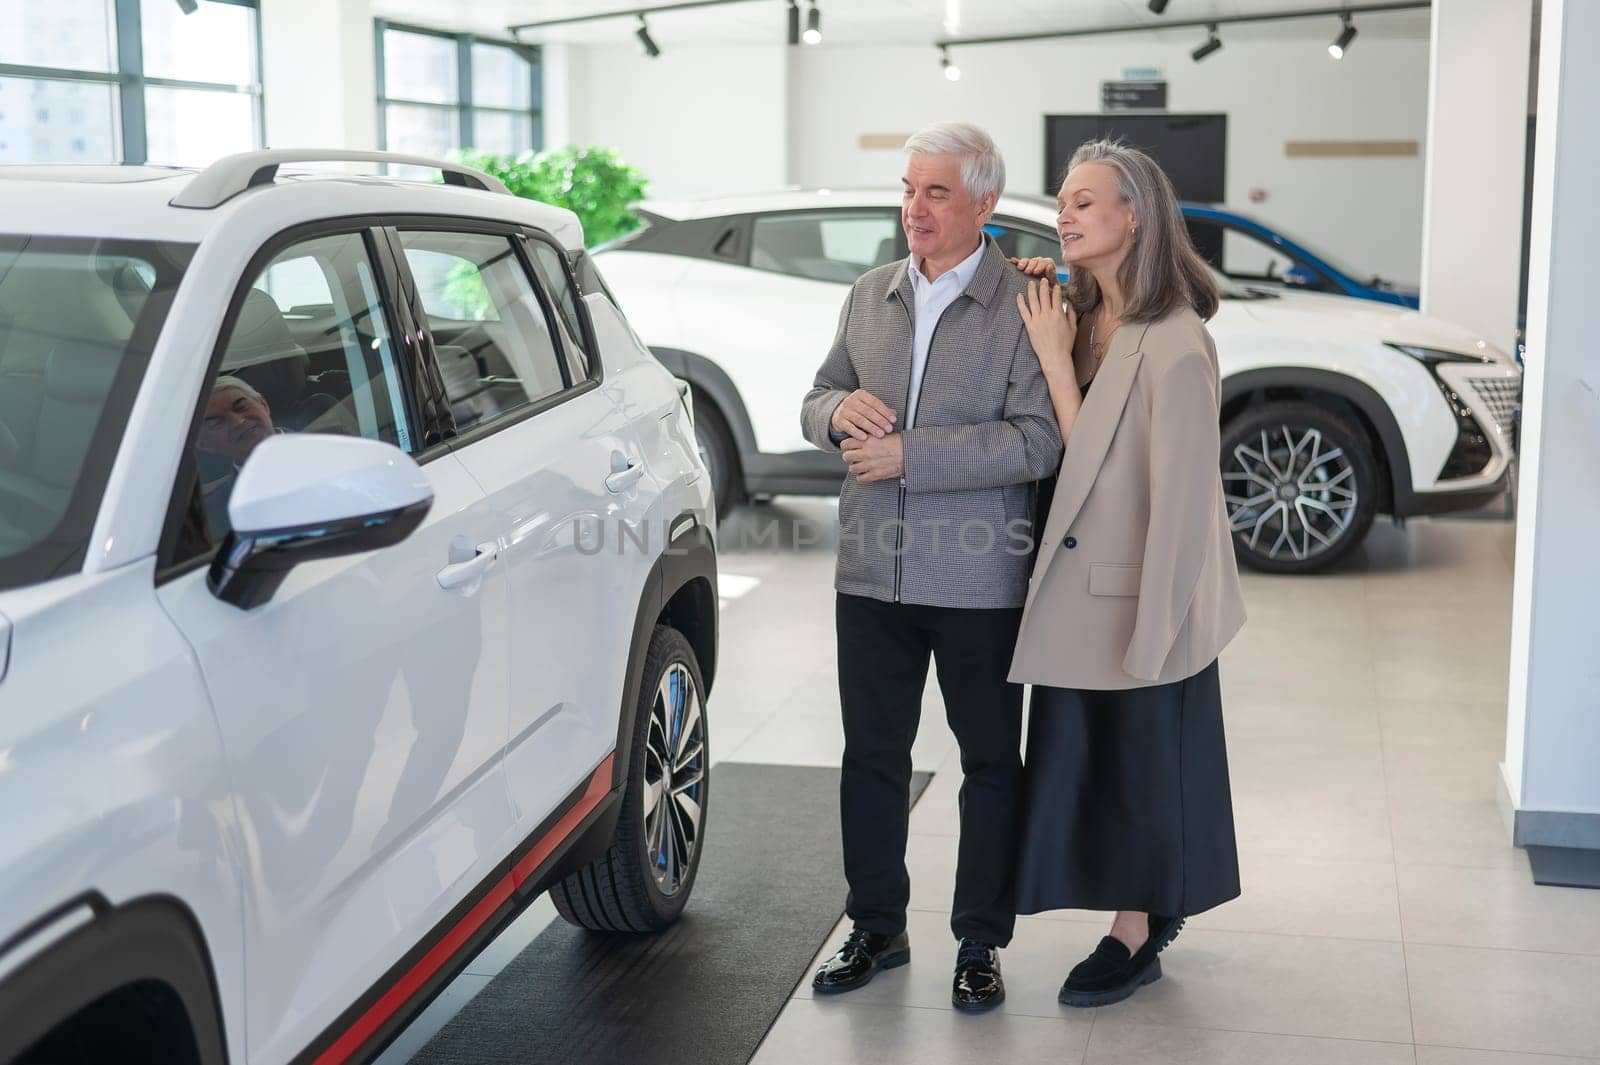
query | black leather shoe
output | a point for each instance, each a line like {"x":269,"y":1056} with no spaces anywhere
{"x":978,"y":984}
{"x":1111,"y":974}
{"x":862,"y":955}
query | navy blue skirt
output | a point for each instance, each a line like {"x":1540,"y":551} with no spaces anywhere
{"x":1127,"y":801}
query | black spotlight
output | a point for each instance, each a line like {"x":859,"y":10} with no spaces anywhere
{"x":1346,"y":35}
{"x":189,"y":6}
{"x":1213,"y":44}
{"x":813,"y":34}
{"x":1158,"y":7}
{"x":651,"y":49}
{"x":794,"y":21}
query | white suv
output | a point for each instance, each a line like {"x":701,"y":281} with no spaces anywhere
{"x":357,"y":584}
{"x":1334,"y":409}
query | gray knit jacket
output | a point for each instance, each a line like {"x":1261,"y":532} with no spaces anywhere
{"x":956,"y":529}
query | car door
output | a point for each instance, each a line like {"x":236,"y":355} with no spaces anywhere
{"x":363,"y":708}
{"x":564,"y":477}
{"x":769,"y":319}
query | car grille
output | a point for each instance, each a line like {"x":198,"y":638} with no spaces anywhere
{"x":1501,"y":399}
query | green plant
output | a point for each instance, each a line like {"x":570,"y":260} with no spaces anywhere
{"x":591,"y":182}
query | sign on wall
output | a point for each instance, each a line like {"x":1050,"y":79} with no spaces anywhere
{"x":1133,"y":96}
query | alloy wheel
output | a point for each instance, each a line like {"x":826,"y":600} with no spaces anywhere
{"x":1290,"y":494}
{"x":674,"y":778}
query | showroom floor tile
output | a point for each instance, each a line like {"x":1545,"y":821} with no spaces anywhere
{"x":1386,"y":918}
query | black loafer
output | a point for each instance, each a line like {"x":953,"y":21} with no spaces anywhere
{"x":1110,"y":974}
{"x":863,"y":954}
{"x":978,"y":984}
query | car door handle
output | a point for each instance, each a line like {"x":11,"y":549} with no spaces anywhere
{"x":461,"y":574}
{"x":623,"y":479}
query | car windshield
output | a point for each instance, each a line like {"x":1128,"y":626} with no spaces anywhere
{"x":78,"y":318}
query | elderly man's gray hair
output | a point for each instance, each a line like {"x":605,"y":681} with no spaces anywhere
{"x":983,"y":172}
{"x":229,"y":381}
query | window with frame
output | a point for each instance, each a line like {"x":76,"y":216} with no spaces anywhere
{"x":310,"y":352}
{"x":185,"y":90}
{"x":837,"y":246}
{"x":439,"y":91}
{"x":494,"y":337}
{"x":551,"y":268}
{"x":1024,"y":243}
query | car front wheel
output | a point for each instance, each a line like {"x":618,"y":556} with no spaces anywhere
{"x":643,"y":881}
{"x":1300,"y":484}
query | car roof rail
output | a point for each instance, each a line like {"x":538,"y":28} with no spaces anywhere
{"x":233,"y":174}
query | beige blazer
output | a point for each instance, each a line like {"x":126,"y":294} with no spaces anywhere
{"x":1135,"y":582}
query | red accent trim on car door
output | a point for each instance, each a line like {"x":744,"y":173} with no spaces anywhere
{"x":430,"y":963}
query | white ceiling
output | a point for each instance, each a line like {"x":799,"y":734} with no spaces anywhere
{"x":877,"y":22}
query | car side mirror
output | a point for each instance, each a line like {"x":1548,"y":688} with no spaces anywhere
{"x":304,"y":496}
{"x":1301,"y":276}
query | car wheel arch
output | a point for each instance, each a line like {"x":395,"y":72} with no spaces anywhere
{"x":712,"y":382}
{"x":154,"y":939}
{"x":1340,"y":393}
{"x":680,"y":591}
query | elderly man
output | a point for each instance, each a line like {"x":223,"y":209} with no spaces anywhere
{"x":237,"y":418}
{"x":935,"y":399}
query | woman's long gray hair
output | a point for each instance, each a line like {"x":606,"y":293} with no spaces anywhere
{"x":1162,"y":270}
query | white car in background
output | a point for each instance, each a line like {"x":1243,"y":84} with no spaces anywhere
{"x":320,"y":656}
{"x":1334,"y":409}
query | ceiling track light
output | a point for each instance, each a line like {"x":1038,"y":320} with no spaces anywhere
{"x":794,"y":21}
{"x":951,"y":71}
{"x":651,"y":49}
{"x":1158,"y":7}
{"x":1346,"y":35}
{"x":1213,"y":44}
{"x":813,"y":34}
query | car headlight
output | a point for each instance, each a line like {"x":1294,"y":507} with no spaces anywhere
{"x":1432,"y":357}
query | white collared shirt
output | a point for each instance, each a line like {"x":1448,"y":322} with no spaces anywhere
{"x":931,"y":298}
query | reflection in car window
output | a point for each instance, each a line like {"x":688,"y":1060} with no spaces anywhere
{"x":837,"y":246}
{"x":309,"y":353}
{"x":492,"y":338}
{"x":78,"y":318}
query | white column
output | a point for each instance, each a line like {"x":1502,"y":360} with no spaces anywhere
{"x":319,"y":73}
{"x":1477,"y":130}
{"x":1552,"y":766}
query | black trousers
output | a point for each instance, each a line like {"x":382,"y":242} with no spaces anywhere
{"x":884,"y":650}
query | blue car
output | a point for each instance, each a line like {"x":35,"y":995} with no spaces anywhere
{"x":1247,"y":250}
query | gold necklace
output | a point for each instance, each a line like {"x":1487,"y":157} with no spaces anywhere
{"x":1095,"y":350}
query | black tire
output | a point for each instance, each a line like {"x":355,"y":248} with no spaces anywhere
{"x":620,"y":891}
{"x":1301,"y":486}
{"x":722,"y":459}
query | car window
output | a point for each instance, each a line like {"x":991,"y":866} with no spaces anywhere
{"x":553,"y":277}
{"x":1023,"y":243}
{"x":327,"y":365}
{"x":78,"y":319}
{"x":837,"y":246}
{"x":1239,"y":254}
{"x":494,"y":340}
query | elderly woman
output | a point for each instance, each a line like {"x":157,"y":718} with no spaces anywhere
{"x":1134,"y":590}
